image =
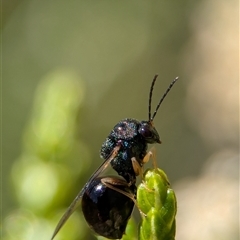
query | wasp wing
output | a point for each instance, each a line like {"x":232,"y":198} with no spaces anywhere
{"x":77,"y":201}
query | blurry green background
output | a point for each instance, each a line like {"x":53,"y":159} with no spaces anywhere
{"x":72,"y":69}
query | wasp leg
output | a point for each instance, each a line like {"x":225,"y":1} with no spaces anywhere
{"x":112,"y":183}
{"x":151,"y":154}
{"x":137,"y":168}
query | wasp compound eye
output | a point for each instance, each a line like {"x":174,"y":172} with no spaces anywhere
{"x":149,"y":133}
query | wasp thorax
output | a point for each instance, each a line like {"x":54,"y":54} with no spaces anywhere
{"x":149,"y":132}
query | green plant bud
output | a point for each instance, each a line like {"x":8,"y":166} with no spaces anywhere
{"x":158,"y":201}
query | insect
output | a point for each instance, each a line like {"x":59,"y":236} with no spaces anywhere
{"x":107,"y":202}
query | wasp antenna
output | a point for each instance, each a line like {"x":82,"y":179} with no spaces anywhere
{"x":164,"y":95}
{"x":150,"y":97}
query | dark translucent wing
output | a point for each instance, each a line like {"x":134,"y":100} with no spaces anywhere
{"x":77,"y":201}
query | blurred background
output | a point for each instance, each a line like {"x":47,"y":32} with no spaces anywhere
{"x":72,"y":69}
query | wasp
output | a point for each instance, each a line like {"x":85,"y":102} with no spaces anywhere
{"x":107,"y":201}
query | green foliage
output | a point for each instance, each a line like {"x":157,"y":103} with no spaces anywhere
{"x":157,"y":200}
{"x":51,"y":162}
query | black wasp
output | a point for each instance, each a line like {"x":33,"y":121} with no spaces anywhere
{"x":107,"y":201}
